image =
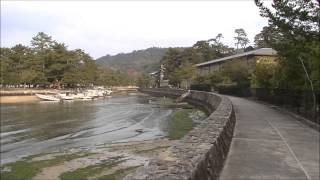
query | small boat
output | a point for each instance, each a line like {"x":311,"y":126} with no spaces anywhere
{"x":91,"y":93}
{"x":108,"y":92}
{"x":78,"y":95}
{"x":48,"y":97}
{"x":66,"y":96}
{"x":86,"y":97}
{"x":82,"y":96}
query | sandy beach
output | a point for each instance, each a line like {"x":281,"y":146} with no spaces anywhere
{"x":12,"y":96}
{"x":18,"y":99}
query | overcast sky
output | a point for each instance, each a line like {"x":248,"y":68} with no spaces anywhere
{"x":111,"y":27}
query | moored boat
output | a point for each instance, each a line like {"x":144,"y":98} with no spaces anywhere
{"x":48,"y":97}
{"x":86,"y":97}
{"x":91,"y":93}
{"x":108,"y":92}
{"x":83,"y":96}
{"x":66,"y":96}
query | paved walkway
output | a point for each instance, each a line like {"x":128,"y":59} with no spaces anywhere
{"x":270,"y":145}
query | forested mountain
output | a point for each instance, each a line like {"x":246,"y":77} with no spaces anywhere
{"x":137,"y":61}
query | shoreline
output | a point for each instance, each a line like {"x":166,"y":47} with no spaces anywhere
{"x":28,"y":92}
{"x":33,"y":91}
{"x":14,"y":96}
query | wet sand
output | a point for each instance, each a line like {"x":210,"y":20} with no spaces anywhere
{"x":99,"y":134}
{"x":77,"y":124}
{"x":99,"y":139}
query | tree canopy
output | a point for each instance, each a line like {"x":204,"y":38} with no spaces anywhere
{"x":50,"y":63}
{"x":294,"y":32}
{"x":241,"y":38}
{"x":179,"y":63}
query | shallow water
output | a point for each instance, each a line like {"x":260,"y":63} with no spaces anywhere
{"x":44,"y":127}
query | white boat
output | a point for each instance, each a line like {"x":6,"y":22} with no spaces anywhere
{"x":100,"y":93}
{"x":108,"y":92}
{"x":82,"y":96}
{"x":78,"y":96}
{"x":48,"y":97}
{"x":97,"y":93}
{"x":85,"y":97}
{"x":91,"y":93}
{"x":66,"y":96}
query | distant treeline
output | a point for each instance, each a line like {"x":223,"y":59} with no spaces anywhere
{"x":48,"y":63}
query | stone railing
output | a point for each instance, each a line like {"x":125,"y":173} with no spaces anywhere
{"x":201,"y":153}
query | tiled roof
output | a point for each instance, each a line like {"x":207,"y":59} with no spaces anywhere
{"x":258,"y":52}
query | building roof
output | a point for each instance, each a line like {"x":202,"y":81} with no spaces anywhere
{"x":257,"y":52}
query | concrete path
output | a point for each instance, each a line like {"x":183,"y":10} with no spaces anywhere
{"x":270,"y":145}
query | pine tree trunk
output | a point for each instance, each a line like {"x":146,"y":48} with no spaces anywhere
{"x":312,"y":89}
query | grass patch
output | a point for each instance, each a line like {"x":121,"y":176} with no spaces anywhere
{"x":170,"y":103}
{"x":84,"y":173}
{"x":26,"y":169}
{"x":180,"y":124}
{"x":119,"y":174}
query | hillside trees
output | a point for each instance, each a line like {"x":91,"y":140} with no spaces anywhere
{"x":268,"y":36}
{"x":16,"y":65}
{"x":41,"y":45}
{"x":298,"y":47}
{"x":212,"y":49}
{"x":144,"y":81}
{"x":220,"y":50}
{"x":298,"y":25}
{"x":4,"y":68}
{"x":110,"y":77}
{"x":232,"y":75}
{"x":179,"y":63}
{"x":241,"y":38}
{"x":264,"y":75}
{"x":50,"y":63}
{"x":145,"y":61}
{"x":203,"y":49}
{"x":171,"y":61}
{"x":236,"y":72}
{"x":80,"y":69}
{"x":188,"y":72}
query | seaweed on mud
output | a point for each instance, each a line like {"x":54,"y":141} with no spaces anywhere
{"x":26,"y":169}
{"x":86,"y":172}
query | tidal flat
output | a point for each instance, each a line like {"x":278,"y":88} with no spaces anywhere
{"x":102,"y":139}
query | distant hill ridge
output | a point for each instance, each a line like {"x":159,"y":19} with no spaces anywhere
{"x":147,"y":60}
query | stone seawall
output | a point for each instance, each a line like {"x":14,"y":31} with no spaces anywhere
{"x":201,"y":153}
